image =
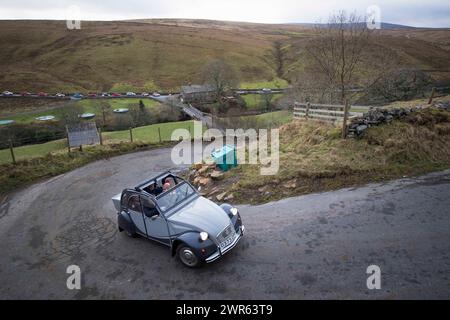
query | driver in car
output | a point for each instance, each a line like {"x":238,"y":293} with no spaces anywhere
{"x":170,"y":198}
{"x":166,"y":186}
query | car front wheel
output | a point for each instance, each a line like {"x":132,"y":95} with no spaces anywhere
{"x":128,"y":233}
{"x":187,"y":256}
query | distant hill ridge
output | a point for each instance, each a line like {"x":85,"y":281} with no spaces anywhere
{"x":43,"y":55}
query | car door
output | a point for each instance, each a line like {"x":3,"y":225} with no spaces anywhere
{"x":155,"y":222}
{"x":134,"y":209}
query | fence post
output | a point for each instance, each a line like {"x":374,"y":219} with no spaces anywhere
{"x":103,"y":116}
{"x":100,"y":135}
{"x":307,"y":110}
{"x":11,"y":148}
{"x":433,"y":91}
{"x":68,"y":142}
{"x":344,"y":123}
{"x":131,"y":134}
{"x":159,"y":133}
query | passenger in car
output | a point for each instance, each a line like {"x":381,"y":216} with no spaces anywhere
{"x":154,"y":189}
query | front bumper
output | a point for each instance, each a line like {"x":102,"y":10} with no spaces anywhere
{"x":221,"y":251}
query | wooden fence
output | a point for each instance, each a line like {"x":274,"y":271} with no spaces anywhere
{"x":324,"y":112}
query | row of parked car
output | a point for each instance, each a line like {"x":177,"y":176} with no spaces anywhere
{"x":79,"y":95}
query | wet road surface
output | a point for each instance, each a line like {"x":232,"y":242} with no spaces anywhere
{"x":313,"y":246}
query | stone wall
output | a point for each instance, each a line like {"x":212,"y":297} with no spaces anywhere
{"x":378,"y":116}
{"x":375,"y":117}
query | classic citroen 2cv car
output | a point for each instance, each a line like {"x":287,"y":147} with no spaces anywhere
{"x":169,"y":210}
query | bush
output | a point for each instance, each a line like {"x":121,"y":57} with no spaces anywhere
{"x":402,"y":84}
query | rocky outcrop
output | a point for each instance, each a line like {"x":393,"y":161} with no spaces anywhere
{"x":443,"y":105}
{"x":207,"y":177}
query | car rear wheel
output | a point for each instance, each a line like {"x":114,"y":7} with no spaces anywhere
{"x":187,"y":256}
{"x":129,"y":233}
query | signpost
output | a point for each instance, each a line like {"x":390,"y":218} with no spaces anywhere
{"x":82,"y":134}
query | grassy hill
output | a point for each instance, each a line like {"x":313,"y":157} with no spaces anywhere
{"x":166,"y":53}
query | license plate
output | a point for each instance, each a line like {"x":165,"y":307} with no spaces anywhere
{"x":227,"y":242}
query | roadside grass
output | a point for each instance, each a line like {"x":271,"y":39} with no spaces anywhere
{"x":26,"y":172}
{"x":314,"y":158}
{"x":147,"y":134}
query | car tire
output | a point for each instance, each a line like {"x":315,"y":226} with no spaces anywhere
{"x":130,"y":234}
{"x":187,"y":256}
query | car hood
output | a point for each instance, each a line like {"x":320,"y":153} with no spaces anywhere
{"x":202,"y":214}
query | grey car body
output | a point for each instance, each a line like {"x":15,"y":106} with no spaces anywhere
{"x":195,"y":229}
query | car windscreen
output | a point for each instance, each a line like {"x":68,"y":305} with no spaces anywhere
{"x":174,"y":196}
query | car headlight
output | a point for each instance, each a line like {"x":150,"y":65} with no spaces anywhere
{"x":203,"y":235}
{"x":234,"y":211}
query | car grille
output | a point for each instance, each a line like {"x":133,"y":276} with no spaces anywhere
{"x":226,"y":236}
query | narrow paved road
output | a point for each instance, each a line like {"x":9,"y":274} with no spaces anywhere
{"x":314,"y":246}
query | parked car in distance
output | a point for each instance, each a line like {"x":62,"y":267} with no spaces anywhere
{"x":155,"y":94}
{"x":129,"y":94}
{"x":145,"y":94}
{"x":25,"y":94}
{"x":60,"y":95}
{"x":115,"y":94}
{"x":92,"y":94}
{"x":105,"y":94}
{"x":7,"y":93}
{"x":266,"y":90}
{"x":169,"y":210}
{"x":76,"y":96}
{"x":42,"y":94}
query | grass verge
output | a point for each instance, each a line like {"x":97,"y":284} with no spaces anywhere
{"x":145,"y":134}
{"x":26,"y":172}
{"x":314,"y":158}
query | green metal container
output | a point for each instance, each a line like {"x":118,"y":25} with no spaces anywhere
{"x":225,"y":157}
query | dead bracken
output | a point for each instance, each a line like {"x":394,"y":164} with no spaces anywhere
{"x":314,"y":158}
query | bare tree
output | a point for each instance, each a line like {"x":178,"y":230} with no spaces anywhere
{"x":277,"y":58}
{"x":267,"y":97}
{"x":106,"y":108}
{"x":71,"y":113}
{"x":221,"y":76}
{"x":338,"y":49}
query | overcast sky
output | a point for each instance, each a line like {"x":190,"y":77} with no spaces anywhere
{"x":425,"y":13}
